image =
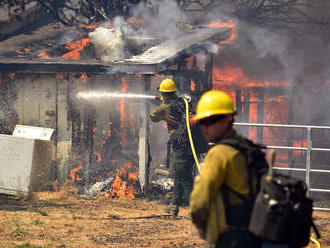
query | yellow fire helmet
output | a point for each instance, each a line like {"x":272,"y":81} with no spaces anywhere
{"x":167,"y":85}
{"x":212,"y":103}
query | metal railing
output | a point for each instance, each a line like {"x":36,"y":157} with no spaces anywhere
{"x":308,"y":149}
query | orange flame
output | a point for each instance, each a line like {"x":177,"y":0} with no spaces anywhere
{"x":230,"y":75}
{"x":92,"y":26}
{"x":43,"y":54}
{"x":192,"y":85}
{"x":220,"y":24}
{"x":135,"y":21}
{"x":75,"y":170}
{"x":274,"y":109}
{"x":232,"y":32}
{"x":299,"y":143}
{"x":84,"y":76}
{"x":75,"y":48}
{"x":11,"y":75}
{"x":121,"y":188}
{"x":98,"y":155}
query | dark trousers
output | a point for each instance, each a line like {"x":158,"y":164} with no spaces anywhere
{"x":183,"y":173}
{"x":237,"y":239}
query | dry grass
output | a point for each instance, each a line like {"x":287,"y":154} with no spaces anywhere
{"x":62,"y":220}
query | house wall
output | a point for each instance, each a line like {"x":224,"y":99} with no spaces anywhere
{"x":42,"y":100}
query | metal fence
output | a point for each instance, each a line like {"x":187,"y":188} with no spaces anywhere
{"x":308,"y":149}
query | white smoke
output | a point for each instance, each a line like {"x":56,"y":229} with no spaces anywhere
{"x":109,"y":43}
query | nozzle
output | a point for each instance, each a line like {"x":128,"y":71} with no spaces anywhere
{"x":156,"y":100}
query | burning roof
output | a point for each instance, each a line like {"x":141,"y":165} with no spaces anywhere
{"x":142,"y":55}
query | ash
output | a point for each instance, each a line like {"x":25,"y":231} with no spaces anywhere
{"x":99,"y":188}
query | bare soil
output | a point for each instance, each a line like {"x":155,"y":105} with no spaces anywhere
{"x":63,"y":219}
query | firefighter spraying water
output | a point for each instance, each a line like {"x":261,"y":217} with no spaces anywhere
{"x":175,"y":109}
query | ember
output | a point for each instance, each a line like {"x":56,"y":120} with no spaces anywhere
{"x":73,"y":174}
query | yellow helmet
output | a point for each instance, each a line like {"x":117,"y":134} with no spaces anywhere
{"x":167,"y":85}
{"x":212,"y":103}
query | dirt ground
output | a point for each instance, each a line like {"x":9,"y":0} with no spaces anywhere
{"x":63,"y":219}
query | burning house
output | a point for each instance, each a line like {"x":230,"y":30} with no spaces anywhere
{"x":66,"y":86}
{"x":80,"y":81}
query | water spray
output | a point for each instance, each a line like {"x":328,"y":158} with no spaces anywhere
{"x":102,"y":95}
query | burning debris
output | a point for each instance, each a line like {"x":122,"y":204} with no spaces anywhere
{"x":98,"y":188}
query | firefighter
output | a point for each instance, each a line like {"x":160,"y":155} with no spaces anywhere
{"x":216,"y":206}
{"x":172,"y":111}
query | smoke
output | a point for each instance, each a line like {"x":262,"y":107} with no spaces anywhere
{"x":109,"y":43}
{"x":161,"y":18}
{"x":160,"y":22}
{"x":298,"y":55}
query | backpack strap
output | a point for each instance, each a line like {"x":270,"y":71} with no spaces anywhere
{"x":238,"y":216}
{"x":243,"y":149}
{"x":318,"y":235}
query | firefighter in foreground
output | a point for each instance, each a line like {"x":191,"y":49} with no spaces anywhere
{"x":216,"y":204}
{"x":172,"y":111}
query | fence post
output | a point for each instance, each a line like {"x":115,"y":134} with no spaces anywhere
{"x":308,"y":158}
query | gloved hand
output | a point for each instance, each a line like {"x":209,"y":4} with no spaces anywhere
{"x":156,"y":100}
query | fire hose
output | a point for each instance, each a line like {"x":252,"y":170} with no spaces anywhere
{"x":190,"y":136}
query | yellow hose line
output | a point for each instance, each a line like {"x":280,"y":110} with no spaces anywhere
{"x":190,"y":137}
{"x":315,"y":242}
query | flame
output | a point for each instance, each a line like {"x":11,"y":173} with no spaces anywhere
{"x":98,"y":155}
{"x":121,"y":188}
{"x":134,"y":20}
{"x":122,"y":112}
{"x":232,"y":32}
{"x":275,"y":109}
{"x":60,"y":76}
{"x":84,"y":76}
{"x":232,"y":37}
{"x":73,"y":171}
{"x":220,"y":24}
{"x":92,"y":26}
{"x":75,"y":48}
{"x":11,"y":75}
{"x":230,"y":75}
{"x":300,"y":143}
{"x":43,"y":54}
{"x":192,"y":85}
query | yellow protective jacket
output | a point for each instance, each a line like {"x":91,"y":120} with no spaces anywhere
{"x":223,"y":164}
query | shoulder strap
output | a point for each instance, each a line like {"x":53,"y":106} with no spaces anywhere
{"x":252,"y":152}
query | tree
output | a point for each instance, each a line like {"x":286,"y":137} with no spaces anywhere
{"x":271,"y":13}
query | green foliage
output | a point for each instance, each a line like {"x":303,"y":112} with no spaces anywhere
{"x":27,"y":245}
{"x":18,"y":233}
{"x":37,"y":222}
